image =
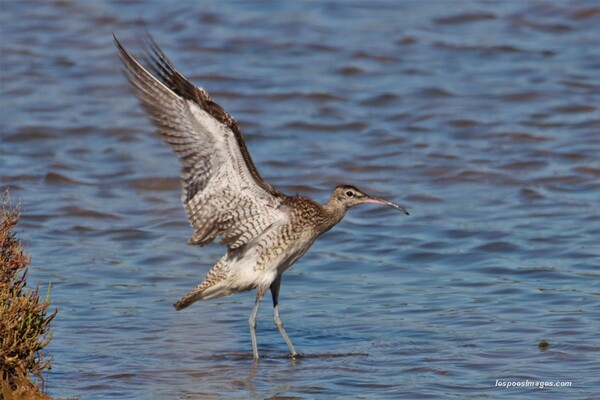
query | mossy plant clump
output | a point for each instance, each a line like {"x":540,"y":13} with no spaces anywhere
{"x":24,"y":316}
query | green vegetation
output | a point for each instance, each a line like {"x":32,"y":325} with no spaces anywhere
{"x":24,"y":316}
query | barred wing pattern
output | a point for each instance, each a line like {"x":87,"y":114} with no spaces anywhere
{"x":222,"y":192}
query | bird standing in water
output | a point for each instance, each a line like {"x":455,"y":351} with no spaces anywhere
{"x":265,"y":230}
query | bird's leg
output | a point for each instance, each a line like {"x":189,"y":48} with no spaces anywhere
{"x":260,"y":292}
{"x":278,"y":323}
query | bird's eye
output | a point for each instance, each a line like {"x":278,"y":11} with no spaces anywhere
{"x":349,"y":193}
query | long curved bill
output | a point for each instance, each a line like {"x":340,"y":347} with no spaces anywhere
{"x":375,"y":200}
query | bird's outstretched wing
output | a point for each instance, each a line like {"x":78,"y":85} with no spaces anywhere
{"x":222,"y":191}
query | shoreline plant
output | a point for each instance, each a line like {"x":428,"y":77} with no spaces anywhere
{"x":24,"y":316}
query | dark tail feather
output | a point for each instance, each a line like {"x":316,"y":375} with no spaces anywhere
{"x":189,"y":299}
{"x":201,"y":293}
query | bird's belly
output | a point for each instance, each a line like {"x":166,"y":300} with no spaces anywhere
{"x":291,"y":255}
{"x":259,"y":268}
{"x":244,"y":274}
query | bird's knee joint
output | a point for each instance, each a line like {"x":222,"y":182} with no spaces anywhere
{"x":252,"y":324}
{"x":278,"y":322}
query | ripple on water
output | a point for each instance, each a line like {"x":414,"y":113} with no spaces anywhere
{"x":481,"y":120}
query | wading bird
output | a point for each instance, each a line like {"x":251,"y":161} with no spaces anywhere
{"x":265,"y":230}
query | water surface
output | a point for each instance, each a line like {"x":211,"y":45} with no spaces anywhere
{"x":480,"y":117}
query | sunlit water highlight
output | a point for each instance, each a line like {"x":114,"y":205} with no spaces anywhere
{"x":481,"y":118}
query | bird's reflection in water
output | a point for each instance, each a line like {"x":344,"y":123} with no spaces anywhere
{"x":256,"y":378}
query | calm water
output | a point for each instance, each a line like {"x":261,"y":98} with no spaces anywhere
{"x":481,"y":118}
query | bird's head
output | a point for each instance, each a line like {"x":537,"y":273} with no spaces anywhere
{"x":349,"y":196}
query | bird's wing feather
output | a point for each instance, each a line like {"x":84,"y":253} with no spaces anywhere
{"x":222,"y":191}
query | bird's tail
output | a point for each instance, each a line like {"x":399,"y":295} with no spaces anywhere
{"x":202,"y":292}
{"x":189,"y":299}
{"x":214,"y":285}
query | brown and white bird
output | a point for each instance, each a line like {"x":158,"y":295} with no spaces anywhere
{"x":265,"y":230}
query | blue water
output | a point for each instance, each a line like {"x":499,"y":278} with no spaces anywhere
{"x":481,"y":118}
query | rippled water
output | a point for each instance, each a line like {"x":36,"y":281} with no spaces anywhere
{"x":480,"y":117}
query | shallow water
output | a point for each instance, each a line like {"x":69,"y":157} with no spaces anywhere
{"x":481,"y":118}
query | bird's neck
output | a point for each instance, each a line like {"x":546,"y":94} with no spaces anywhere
{"x":334,"y":212}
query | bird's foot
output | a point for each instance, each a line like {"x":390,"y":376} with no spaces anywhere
{"x":295,"y":356}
